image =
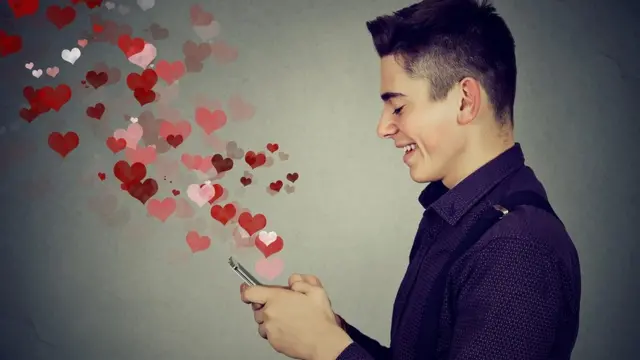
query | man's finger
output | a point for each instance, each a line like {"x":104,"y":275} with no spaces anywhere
{"x":258,"y":294}
{"x":302,"y":287}
{"x":295,"y":278}
{"x":258,"y":316}
{"x":311,"y":279}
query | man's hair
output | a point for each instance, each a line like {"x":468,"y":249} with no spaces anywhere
{"x":445,"y":41}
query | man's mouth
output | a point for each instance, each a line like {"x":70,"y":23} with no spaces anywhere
{"x":409,"y":148}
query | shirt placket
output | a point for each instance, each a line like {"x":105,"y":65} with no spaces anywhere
{"x":428,"y":230}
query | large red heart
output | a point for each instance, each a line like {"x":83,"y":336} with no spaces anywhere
{"x":252,"y":224}
{"x":22,"y":8}
{"x":130,"y":46}
{"x":63,"y":144}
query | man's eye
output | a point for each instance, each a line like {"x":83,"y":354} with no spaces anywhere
{"x":398,"y":110}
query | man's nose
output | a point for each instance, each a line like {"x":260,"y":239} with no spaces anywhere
{"x":386,"y":127}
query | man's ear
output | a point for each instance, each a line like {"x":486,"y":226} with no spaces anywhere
{"x":470,"y":97}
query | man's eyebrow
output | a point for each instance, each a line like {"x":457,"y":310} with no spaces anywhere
{"x":390,"y":95}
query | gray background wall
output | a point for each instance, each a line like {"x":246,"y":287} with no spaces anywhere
{"x":75,"y":284}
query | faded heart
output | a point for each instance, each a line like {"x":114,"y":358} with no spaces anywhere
{"x":269,"y":268}
{"x":131,"y":135}
{"x":196,"y":242}
{"x":200,"y":194}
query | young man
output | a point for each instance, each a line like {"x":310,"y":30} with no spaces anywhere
{"x":492,"y":273}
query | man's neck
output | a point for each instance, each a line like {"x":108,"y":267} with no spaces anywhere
{"x":477,"y":155}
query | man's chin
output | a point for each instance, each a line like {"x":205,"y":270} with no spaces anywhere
{"x":421,"y":176}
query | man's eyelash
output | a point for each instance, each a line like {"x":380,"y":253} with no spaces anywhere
{"x":398,"y":110}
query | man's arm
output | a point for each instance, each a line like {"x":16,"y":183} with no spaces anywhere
{"x":363,"y":347}
{"x":509,"y":305}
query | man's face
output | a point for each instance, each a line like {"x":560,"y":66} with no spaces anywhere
{"x":411,"y":117}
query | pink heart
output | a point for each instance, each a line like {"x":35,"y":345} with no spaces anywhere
{"x":269,"y":268}
{"x":29,"y":65}
{"x":82,"y":42}
{"x":201,"y":195}
{"x":145,"y":57}
{"x":53,"y":71}
{"x":132,"y":135}
{"x":146,"y":155}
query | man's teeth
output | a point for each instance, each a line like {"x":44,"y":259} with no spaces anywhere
{"x":409,"y":148}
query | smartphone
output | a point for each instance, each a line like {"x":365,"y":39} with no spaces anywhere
{"x":243,"y":273}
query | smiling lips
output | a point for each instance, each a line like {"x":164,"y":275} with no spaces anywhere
{"x":409,"y":148}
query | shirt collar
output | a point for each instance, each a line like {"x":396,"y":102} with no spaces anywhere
{"x":452,"y":204}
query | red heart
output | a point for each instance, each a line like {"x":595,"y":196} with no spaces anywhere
{"x":116,"y":145}
{"x":144,"y":96}
{"x":252,"y":224}
{"x":29,"y":114}
{"x":102,"y":176}
{"x":97,"y":28}
{"x":223,"y":214}
{"x":63,"y":144}
{"x":54,"y":98}
{"x":271,"y":249}
{"x":129,"y":174}
{"x":9,"y":44}
{"x":221,"y":164}
{"x":22,"y":8}
{"x":146,"y":80}
{"x":143,"y":191}
{"x":255,"y":160}
{"x":130,"y":46}
{"x":276,"y":186}
{"x":175,"y":192}
{"x":96,"y":111}
{"x":245,"y":181}
{"x":197,"y":242}
{"x":97,"y":79}
{"x":217,"y":194}
{"x":273,"y":147}
{"x":292,"y":177}
{"x":174,"y":140}
{"x":61,"y":17}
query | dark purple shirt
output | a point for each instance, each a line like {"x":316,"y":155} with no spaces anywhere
{"x":515,"y":295}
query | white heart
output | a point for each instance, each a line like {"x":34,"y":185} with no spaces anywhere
{"x":133,"y":119}
{"x":71,"y":56}
{"x":36,"y":73}
{"x":109,"y":5}
{"x":267,"y":237}
{"x":146,"y":4}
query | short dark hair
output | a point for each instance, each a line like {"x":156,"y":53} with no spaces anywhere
{"x":445,"y":41}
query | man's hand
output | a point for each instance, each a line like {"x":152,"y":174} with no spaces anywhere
{"x":297,"y":322}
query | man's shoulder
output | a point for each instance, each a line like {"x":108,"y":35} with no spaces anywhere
{"x":527,"y":229}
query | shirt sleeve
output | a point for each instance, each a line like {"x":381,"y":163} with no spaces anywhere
{"x":509,"y":303}
{"x":362,"y":347}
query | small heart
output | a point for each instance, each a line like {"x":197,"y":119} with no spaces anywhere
{"x":83,"y":42}
{"x":123,"y":9}
{"x":71,"y":56}
{"x":29,"y":65}
{"x":269,"y":268}
{"x":109,"y":5}
{"x":36,"y":73}
{"x":53,"y":72}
